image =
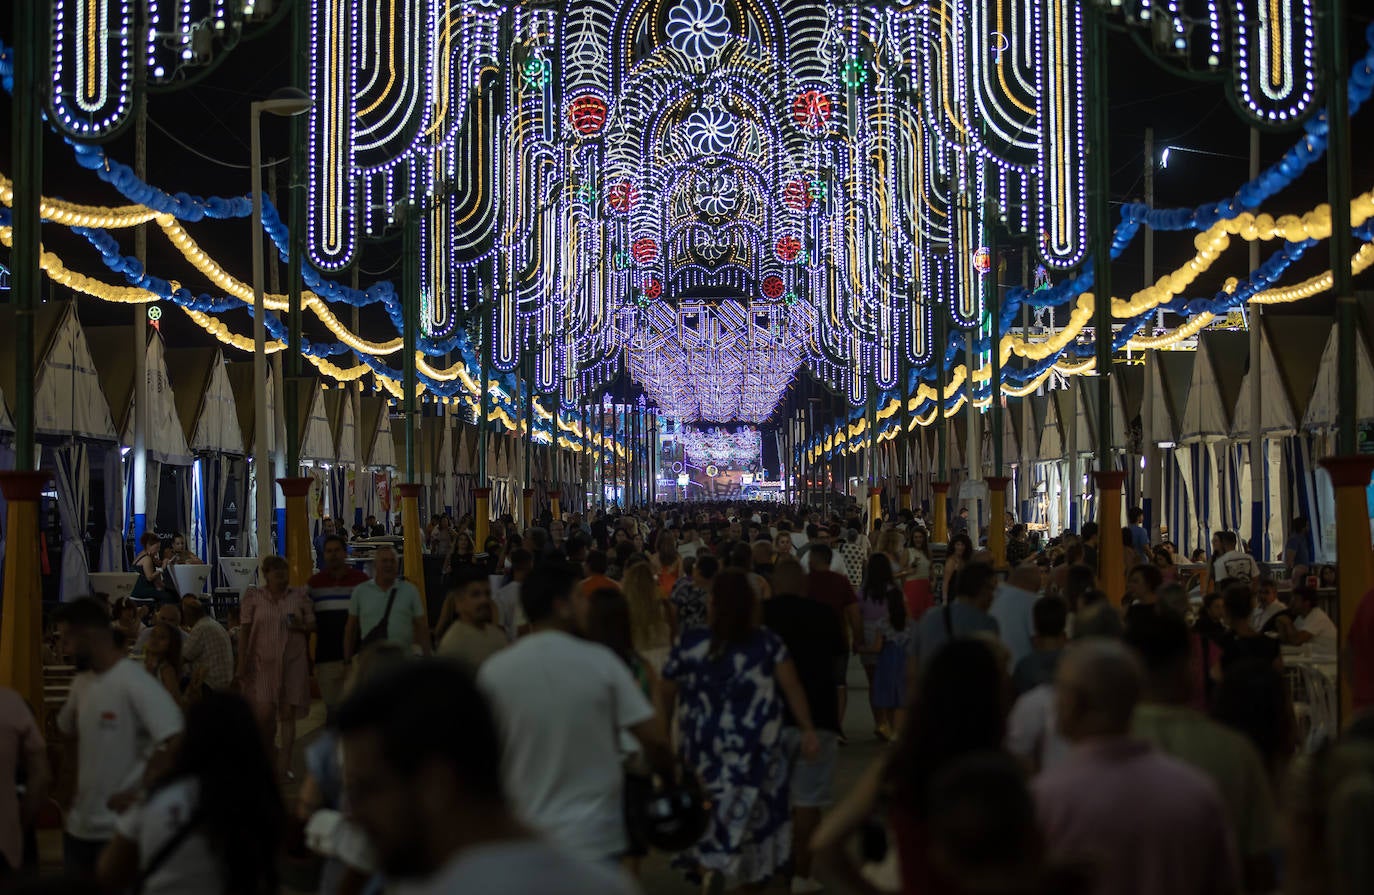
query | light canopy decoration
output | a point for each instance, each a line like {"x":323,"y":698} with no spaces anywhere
{"x":708,"y":192}
{"x":731,"y":448}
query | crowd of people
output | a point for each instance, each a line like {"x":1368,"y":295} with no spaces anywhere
{"x":677,"y":679}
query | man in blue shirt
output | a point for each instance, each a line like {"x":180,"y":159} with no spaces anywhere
{"x":962,"y":616}
{"x":1140,"y":538}
{"x":1296,"y":551}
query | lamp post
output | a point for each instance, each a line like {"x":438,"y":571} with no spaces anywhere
{"x":286,"y":102}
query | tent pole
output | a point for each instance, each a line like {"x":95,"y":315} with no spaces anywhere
{"x":1257,"y":532}
{"x":1152,"y":503}
{"x":296,"y":248}
{"x":139,"y":455}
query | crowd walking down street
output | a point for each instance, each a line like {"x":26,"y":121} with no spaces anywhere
{"x":729,"y":709}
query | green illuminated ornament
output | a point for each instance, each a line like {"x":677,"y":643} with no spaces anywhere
{"x":534,"y":74}
{"x":154,"y":312}
{"x":854,"y":72}
{"x":586,"y":194}
{"x":621,"y":260}
{"x":817,"y":189}
{"x":789,"y":298}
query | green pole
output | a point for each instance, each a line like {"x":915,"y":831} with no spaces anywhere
{"x":1099,"y":223}
{"x":1338,"y":191}
{"x":410,"y":249}
{"x":30,"y":60}
{"x":529,"y":417}
{"x":296,"y":248}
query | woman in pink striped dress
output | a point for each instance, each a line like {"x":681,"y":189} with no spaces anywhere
{"x":276,"y":622}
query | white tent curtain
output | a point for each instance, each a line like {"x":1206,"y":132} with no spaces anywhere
{"x":248,"y":536}
{"x":71,"y":471}
{"x":1187,"y":534}
{"x":199,"y":537}
{"x":112,"y":557}
{"x":6,"y":462}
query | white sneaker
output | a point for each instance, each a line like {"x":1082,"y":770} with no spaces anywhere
{"x":801,"y":885}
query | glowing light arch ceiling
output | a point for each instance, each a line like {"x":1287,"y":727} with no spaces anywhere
{"x":582,"y":165}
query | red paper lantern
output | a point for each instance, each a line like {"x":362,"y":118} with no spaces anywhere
{"x":622,"y":196}
{"x":797,"y":195}
{"x":644,"y":250}
{"x":773,"y":287}
{"x":811,"y":110}
{"x":787,"y":248}
{"x":587,"y":114}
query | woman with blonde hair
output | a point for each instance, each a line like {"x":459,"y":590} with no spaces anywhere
{"x":648,"y":621}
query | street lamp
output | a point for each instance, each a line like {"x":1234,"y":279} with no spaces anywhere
{"x":286,"y":102}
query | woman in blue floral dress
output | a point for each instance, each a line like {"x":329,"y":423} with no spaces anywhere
{"x":729,"y":681}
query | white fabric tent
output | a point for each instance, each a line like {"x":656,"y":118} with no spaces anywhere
{"x":317,"y":438}
{"x":240,"y":376}
{"x":383,"y":453}
{"x":216,"y":427}
{"x":68,"y":398}
{"x":166,"y":439}
{"x":1324,"y":408}
{"x":1276,"y":411}
{"x":1051,"y":435}
{"x":1204,"y":417}
{"x":346,"y":445}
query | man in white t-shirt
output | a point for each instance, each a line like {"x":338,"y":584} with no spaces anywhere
{"x":1314,"y":627}
{"x":121,"y":717}
{"x":422,"y":769}
{"x":562,"y":703}
{"x":1231,"y":562}
{"x":690,"y":543}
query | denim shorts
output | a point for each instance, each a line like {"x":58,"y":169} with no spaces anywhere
{"x":813,"y":782}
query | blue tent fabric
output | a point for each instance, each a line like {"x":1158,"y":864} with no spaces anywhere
{"x":71,"y":470}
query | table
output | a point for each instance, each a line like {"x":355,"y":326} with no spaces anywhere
{"x":189,"y":578}
{"x":239,"y":572}
{"x":117,"y":584}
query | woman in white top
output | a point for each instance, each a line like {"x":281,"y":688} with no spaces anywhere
{"x":212,"y":820}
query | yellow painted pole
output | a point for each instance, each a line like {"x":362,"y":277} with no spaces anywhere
{"x":997,"y":530}
{"x":413,"y":557}
{"x":296,"y":491}
{"x":554,"y":509}
{"x":21,"y":625}
{"x":483,"y":514}
{"x":941,"y":533}
{"x":905,"y":495}
{"x":875,"y":505}
{"x":1111,"y":569}
{"x":1354,"y":561}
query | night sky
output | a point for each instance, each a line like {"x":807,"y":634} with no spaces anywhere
{"x":198,"y":142}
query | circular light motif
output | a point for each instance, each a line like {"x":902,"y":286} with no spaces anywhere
{"x":811,"y":110}
{"x":622,"y":196}
{"x":717,"y":193}
{"x":644,"y":250}
{"x":652,"y":288}
{"x":773,"y":287}
{"x":711,"y":131}
{"x":797,"y":195}
{"x":712,"y":470}
{"x":982,"y":260}
{"x":698,"y":28}
{"x":787,"y":248}
{"x":587,"y":113}
{"x":154,"y":312}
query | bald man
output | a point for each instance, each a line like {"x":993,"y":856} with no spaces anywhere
{"x":1012,"y":606}
{"x":1146,"y":823}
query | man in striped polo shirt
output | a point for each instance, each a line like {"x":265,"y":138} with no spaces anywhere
{"x":330,"y":589}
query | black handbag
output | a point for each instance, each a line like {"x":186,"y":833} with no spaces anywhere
{"x":378,"y":632}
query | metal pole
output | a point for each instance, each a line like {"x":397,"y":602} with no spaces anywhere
{"x":1100,"y":225}
{"x":973,"y":442}
{"x":139,"y":455}
{"x":529,"y":420}
{"x":296,"y":246}
{"x":1152,"y":504}
{"x":410,"y":308}
{"x":1257,"y":447}
{"x":262,"y":451}
{"x":994,"y":343}
{"x":484,"y":399}
{"x":1338,"y":195}
{"x":941,"y":430}
{"x":26,"y":111}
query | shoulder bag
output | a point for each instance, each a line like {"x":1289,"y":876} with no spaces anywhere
{"x":378,"y":632}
